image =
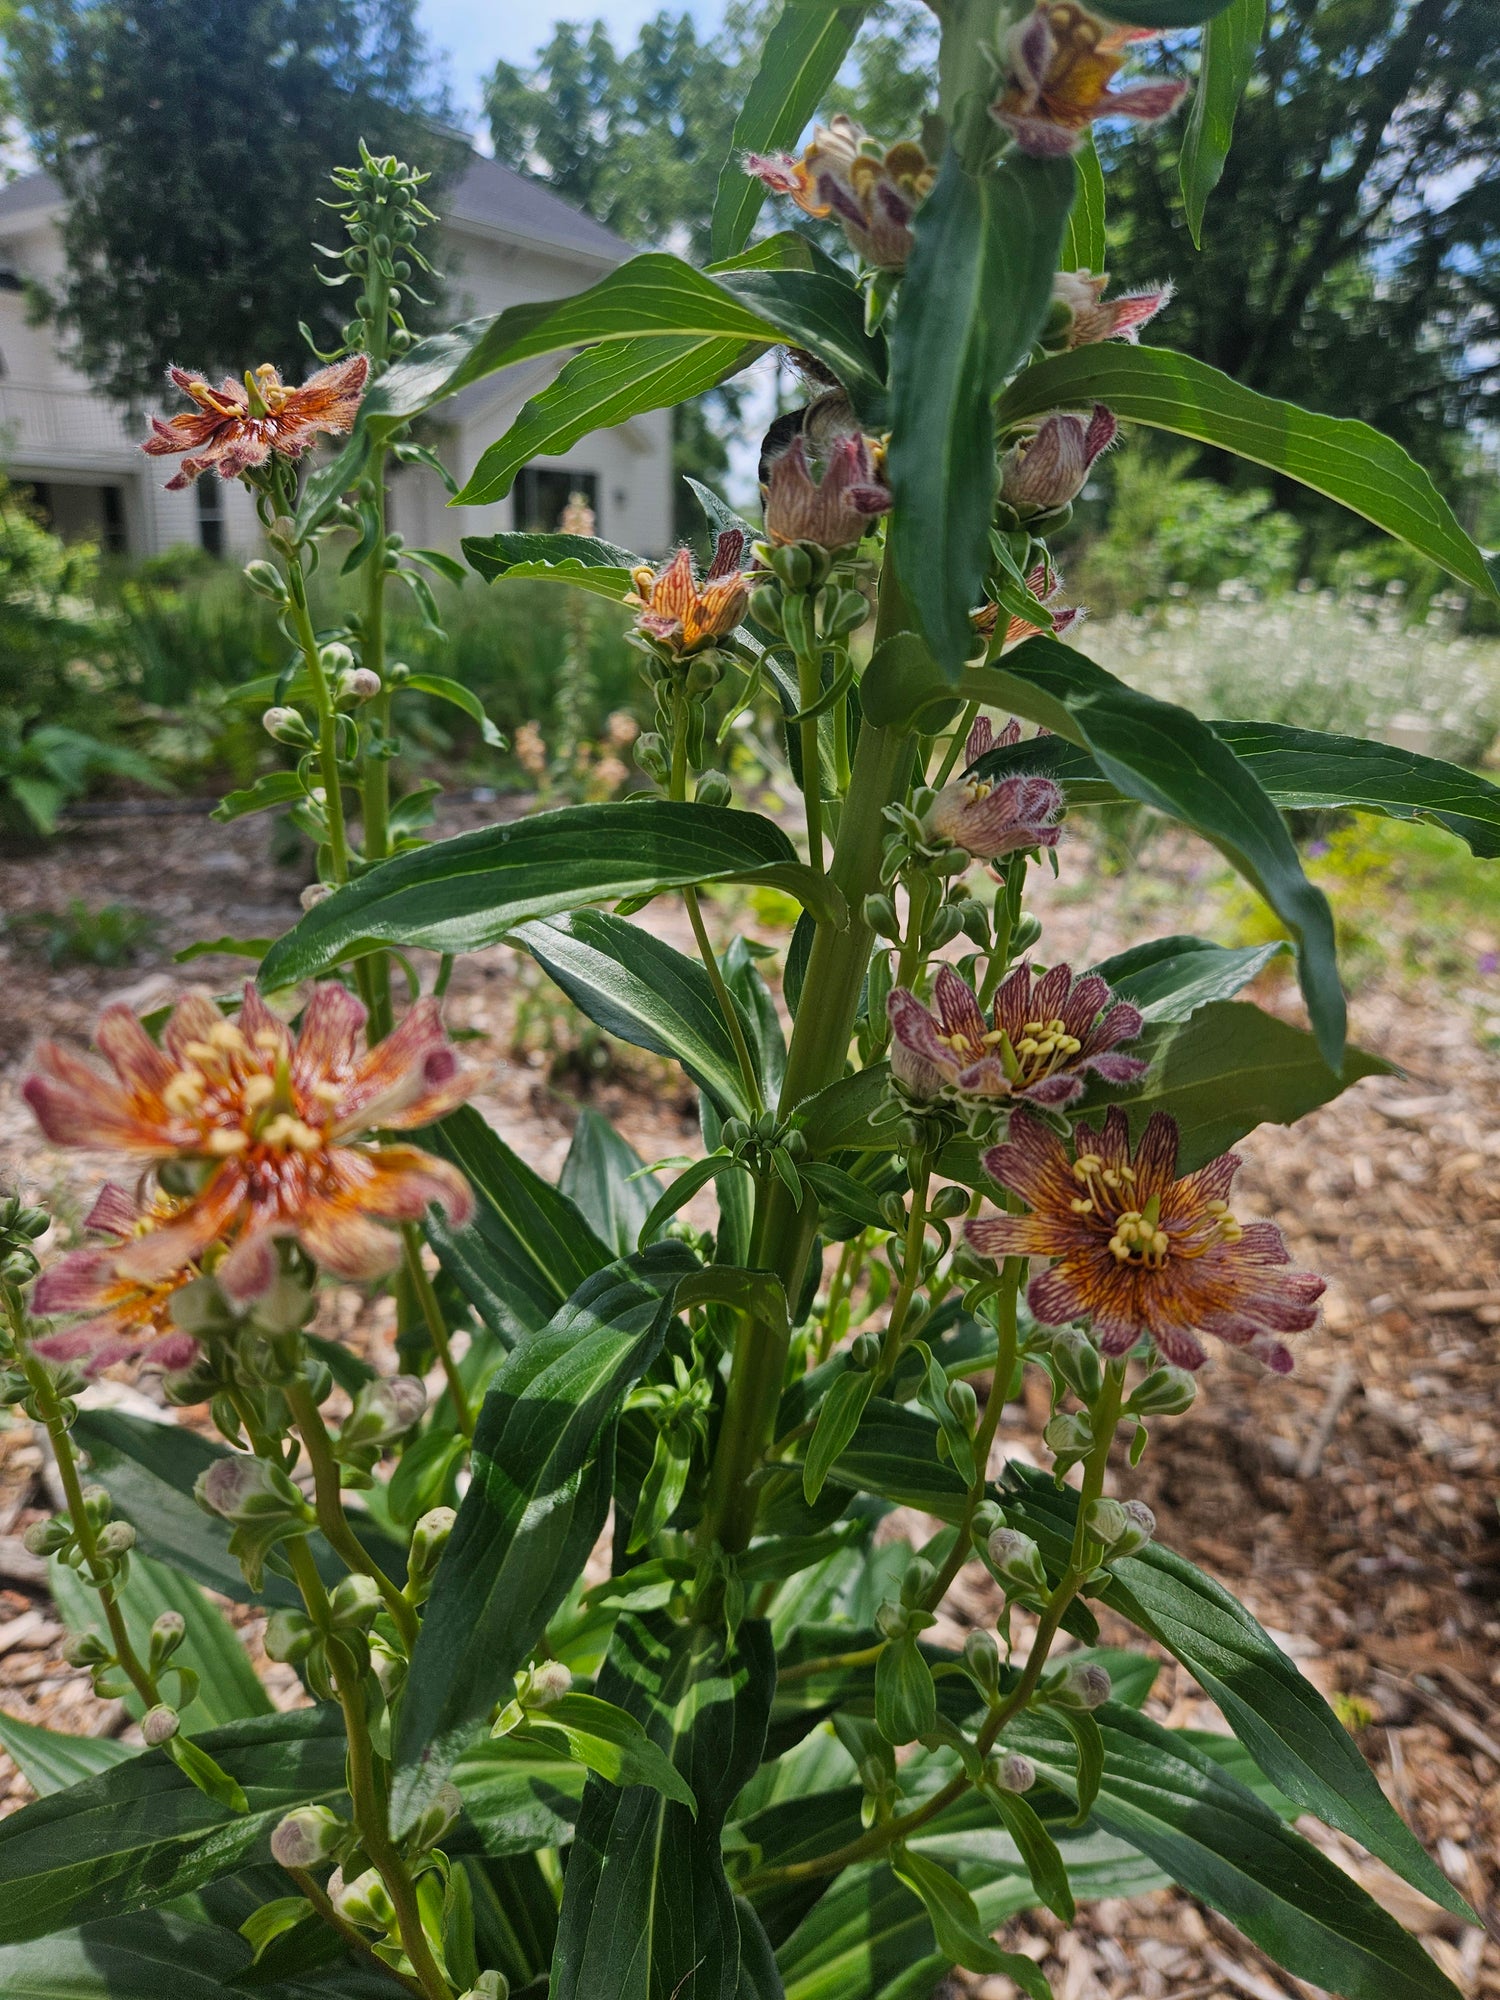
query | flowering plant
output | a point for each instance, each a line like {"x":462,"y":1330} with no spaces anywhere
{"x":612,"y":1687}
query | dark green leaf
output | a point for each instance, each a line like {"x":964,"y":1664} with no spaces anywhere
{"x":799,"y":60}
{"x":582,"y":560}
{"x":1226,"y":58}
{"x":231,"y":947}
{"x":647,"y":1911}
{"x":977,"y":289}
{"x":1305,"y":769}
{"x":893,"y":1453}
{"x":645,"y":992}
{"x":1089,"y":1743}
{"x":605,"y":1739}
{"x":518,"y":1796}
{"x":846,"y":1116}
{"x":50,"y":1761}
{"x":1084,"y":246}
{"x":1336,"y":456}
{"x":956,"y":1924}
{"x":141,"y":1834}
{"x":715,"y":1167}
{"x":158,"y":1954}
{"x":1218,"y":1841}
{"x":276,"y":788}
{"x":539,"y":1493}
{"x":905,"y":1693}
{"x":468,"y":892}
{"x":761,"y":1020}
{"x":227,"y":1684}
{"x":528,"y":1248}
{"x":1036,"y":1847}
{"x":460,"y":697}
{"x":603,"y":1176}
{"x":838,"y":1418}
{"x":1172,"y":977}
{"x":1156,"y":752}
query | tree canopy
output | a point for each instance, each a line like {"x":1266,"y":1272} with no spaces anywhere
{"x":193,"y":140}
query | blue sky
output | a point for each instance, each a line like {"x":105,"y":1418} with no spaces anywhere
{"x":476,"y":33}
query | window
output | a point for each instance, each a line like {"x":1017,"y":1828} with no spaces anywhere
{"x":210,"y":491}
{"x":542,"y":492}
{"x":112,"y":509}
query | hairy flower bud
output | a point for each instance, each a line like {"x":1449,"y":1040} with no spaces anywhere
{"x":116,"y":1538}
{"x":45,"y":1538}
{"x":1140,"y":1526}
{"x":435,"y":1819}
{"x":159,"y":1725}
{"x":366,"y":1900}
{"x":168,"y":1631}
{"x":287,"y":726}
{"x":1011,"y":1773}
{"x":242,"y":1488}
{"x":829,"y":506}
{"x":1083,"y":1684}
{"x":265,"y":578}
{"x":385,"y":1409}
{"x":1165,"y":1392}
{"x":306,"y":1837}
{"x":713,"y":789}
{"x":429,"y":1538}
{"x":354,"y":1601}
{"x":86,"y":1649}
{"x":1049,"y":469}
{"x":359,"y":684}
{"x":1016,"y":1559}
{"x":1078,"y":1362}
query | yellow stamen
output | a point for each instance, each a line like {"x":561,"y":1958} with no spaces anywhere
{"x":225,"y":1035}
{"x":1081,"y":1207}
{"x":268,"y":1041}
{"x":285,"y":1130}
{"x":258,"y":1090}
{"x":224,"y":1141}
{"x":183,"y":1092}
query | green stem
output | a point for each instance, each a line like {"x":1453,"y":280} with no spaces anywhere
{"x":322,"y":695}
{"x":911,"y":1268}
{"x":809,"y":687}
{"x":956,"y":743}
{"x":45,"y":1394}
{"x":784,"y":1231}
{"x":328,"y":1501}
{"x":984,"y":1437}
{"x":356,"y":1940}
{"x":918,"y":898}
{"x":437,"y":1326}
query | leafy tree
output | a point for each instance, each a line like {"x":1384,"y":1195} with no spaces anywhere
{"x":194,"y":139}
{"x":1352,"y":255}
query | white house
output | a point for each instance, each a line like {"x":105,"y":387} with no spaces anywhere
{"x":504,"y":240}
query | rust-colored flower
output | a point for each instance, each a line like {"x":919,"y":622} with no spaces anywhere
{"x":684,"y":617}
{"x":1048,"y":1033}
{"x":273,"y":1118}
{"x":1045,"y":585}
{"x":1138,"y":1251}
{"x":121,"y":1317}
{"x":236,"y":427}
{"x":1060,"y":63}
{"x":844,"y":173}
{"x":1089,"y":317}
{"x":831,"y":505}
{"x":1051,"y":467}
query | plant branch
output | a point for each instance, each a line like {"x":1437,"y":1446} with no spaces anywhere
{"x":437,"y":1326}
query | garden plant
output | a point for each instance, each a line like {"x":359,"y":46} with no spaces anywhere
{"x":620,"y":1673}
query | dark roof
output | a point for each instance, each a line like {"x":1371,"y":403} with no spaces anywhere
{"x":497,"y":197}
{"x":28,"y":192}
{"x":485,"y":194}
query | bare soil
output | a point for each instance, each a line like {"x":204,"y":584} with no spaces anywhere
{"x":1352,"y":1507}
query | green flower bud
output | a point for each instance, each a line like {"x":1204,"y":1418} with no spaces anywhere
{"x":1139,"y":1529}
{"x":964,"y":1404}
{"x":46,"y":1538}
{"x":434,"y":1821}
{"x":336,"y":658}
{"x":167,"y":1633}
{"x":290,"y":1636}
{"x":364,"y":1901}
{"x":241,"y":1488}
{"x":307,"y":1836}
{"x":267,"y":579}
{"x":943,"y":926}
{"x":1010,"y":1773}
{"x":492,"y":1986}
{"x":918,"y":1580}
{"x":891,"y":1622}
{"x":86,"y":1649}
{"x":428,"y":1540}
{"x":1016,"y":1559}
{"x":765,"y":606}
{"x":1106,"y":1521}
{"x":880,"y":915}
{"x":1078,"y":1363}
{"x":982,"y":1658}
{"x":285,"y":725}
{"x":650,"y":754}
{"x":793,"y":564}
{"x":948,"y":1203}
{"x":1165,"y":1392}
{"x":116,"y":1538}
{"x":1070,"y":1437}
{"x":864,"y":1350}
{"x":550,"y":1681}
{"x":713,"y":789}
{"x":354,"y":1602}
{"x":1083,"y":1684}
{"x":159,"y":1725}
{"x":384,"y":1409}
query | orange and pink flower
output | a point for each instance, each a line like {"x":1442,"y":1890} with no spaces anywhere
{"x":831,"y":503}
{"x":273,"y":1119}
{"x":1091,"y":317}
{"x":1061,"y":61}
{"x":117,"y":1317}
{"x":1136,"y":1250}
{"x":993,"y":820}
{"x":843,"y":173}
{"x":1045,"y":585}
{"x":678,"y":613}
{"x":239,"y":425}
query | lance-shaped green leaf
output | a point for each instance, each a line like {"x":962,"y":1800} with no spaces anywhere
{"x":957,"y":1927}
{"x":468,"y":892}
{"x":646,"y":992}
{"x":142,"y":1834}
{"x":536,"y":1503}
{"x":893,"y":1453}
{"x":1036,"y":1847}
{"x":518,"y":1796}
{"x":838,"y":1418}
{"x":799,"y":60}
{"x":607,"y":1740}
{"x":976,"y":290}
{"x":581,"y":560}
{"x":162,"y":1952}
{"x":606,"y":1180}
{"x":1170,"y":978}
{"x":454,"y":692}
{"x":1225,"y":60}
{"x":1277,"y":1713}
{"x":527,"y":1249}
{"x":50,"y":1761}
{"x":905,"y":1692}
{"x":1163,"y":14}
{"x":647,"y":1911}
{"x":1161,"y":754}
{"x":1301,"y":770}
{"x":1217,"y":1840}
{"x":1084,"y":245}
{"x":1336,"y":456}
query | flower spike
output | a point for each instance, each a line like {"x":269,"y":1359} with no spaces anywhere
{"x":1137,"y":1250}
